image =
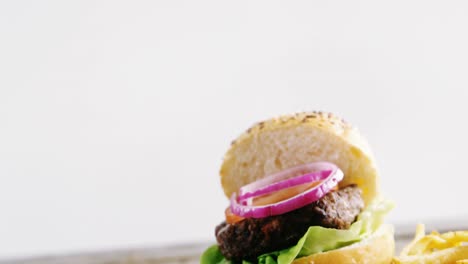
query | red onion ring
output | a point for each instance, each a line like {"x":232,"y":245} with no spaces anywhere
{"x":286,"y":174}
{"x":329,"y":181}
{"x":277,"y":186}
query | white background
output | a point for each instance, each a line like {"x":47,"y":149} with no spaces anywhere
{"x":114,"y":116}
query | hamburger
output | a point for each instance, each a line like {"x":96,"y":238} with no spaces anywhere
{"x":303,"y":188}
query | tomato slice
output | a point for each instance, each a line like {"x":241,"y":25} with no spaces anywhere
{"x":232,"y":218}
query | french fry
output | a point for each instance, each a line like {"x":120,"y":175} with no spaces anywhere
{"x":434,"y":248}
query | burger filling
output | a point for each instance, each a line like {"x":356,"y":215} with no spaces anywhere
{"x":251,"y":237}
{"x":294,"y":213}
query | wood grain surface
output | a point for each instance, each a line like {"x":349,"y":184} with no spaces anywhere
{"x":190,"y":253}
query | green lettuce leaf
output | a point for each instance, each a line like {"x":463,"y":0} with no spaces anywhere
{"x":317,"y":239}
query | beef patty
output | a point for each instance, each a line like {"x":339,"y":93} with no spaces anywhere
{"x":252,"y":237}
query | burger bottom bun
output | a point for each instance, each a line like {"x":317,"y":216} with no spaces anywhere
{"x":379,"y":248}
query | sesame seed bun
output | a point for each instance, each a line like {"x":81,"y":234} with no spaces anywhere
{"x":290,"y":140}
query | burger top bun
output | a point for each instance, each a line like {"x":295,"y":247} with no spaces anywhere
{"x":287,"y":141}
